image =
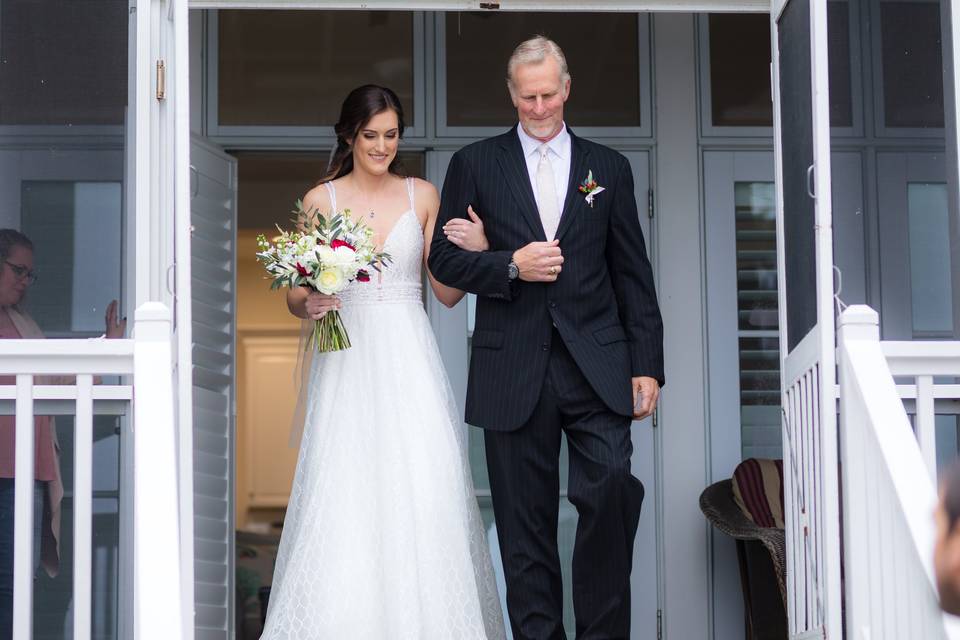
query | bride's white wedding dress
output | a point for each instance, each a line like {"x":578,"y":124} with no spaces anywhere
{"x":383,"y":539}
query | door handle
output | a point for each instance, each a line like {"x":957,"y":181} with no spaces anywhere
{"x":810,"y":182}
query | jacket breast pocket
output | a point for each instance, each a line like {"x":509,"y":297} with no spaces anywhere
{"x":609,"y":335}
{"x":487,"y":339}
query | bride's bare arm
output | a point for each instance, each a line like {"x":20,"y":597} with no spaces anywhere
{"x":430,"y":199}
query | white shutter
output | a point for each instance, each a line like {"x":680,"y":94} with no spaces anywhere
{"x":213,"y":268}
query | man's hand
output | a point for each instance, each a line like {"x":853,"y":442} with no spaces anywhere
{"x":646,"y":392}
{"x":539,"y":261}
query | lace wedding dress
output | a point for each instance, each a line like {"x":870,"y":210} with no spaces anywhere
{"x":383,"y":538}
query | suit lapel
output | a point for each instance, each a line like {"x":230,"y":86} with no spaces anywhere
{"x":514,"y":169}
{"x":578,"y":171}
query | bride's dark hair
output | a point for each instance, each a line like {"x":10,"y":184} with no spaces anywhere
{"x":358,"y":108}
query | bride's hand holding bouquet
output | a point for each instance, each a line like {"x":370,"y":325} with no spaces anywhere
{"x":325,"y":254}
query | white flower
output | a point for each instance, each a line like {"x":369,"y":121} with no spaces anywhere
{"x":344,"y":256}
{"x":330,"y":281}
{"x":326,"y":255}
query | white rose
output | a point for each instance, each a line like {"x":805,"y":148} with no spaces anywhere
{"x":326,"y":255}
{"x":344,"y":256}
{"x":330,"y":281}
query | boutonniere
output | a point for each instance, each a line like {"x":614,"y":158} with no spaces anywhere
{"x":590,"y":188}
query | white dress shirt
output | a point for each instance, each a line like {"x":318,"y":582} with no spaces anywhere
{"x":559,"y":154}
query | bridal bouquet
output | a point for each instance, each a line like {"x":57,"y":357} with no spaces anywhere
{"x":326,"y":255}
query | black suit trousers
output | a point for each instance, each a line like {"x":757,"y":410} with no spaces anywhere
{"x":524,"y":479}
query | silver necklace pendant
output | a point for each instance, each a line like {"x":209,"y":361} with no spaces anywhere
{"x":371,"y":215}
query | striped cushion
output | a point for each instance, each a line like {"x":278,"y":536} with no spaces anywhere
{"x":758,"y":491}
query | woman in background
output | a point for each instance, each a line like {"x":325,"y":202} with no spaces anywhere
{"x":16,"y":276}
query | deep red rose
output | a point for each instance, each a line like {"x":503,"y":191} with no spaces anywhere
{"x":341,"y":243}
{"x":363,"y":276}
{"x":302,"y":270}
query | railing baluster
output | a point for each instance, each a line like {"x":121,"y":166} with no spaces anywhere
{"x":83,"y":508}
{"x":23,"y":511}
{"x":926,"y":422}
{"x":789,"y":506}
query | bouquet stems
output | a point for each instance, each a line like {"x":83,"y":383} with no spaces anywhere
{"x":329,"y":334}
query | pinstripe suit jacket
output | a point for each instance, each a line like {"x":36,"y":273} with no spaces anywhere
{"x":603,"y":304}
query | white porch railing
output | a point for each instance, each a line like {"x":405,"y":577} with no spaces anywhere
{"x":810,"y":495}
{"x":888,"y":481}
{"x":147,"y":357}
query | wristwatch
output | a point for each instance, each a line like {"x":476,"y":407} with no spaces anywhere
{"x":513,"y":272}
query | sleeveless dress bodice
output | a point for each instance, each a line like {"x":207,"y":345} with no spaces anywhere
{"x":401,"y":279}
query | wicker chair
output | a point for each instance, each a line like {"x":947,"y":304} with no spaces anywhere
{"x":761,"y":552}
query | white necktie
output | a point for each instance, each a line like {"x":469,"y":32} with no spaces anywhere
{"x":547,"y":192}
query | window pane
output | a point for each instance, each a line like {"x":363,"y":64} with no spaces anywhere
{"x":947,"y":442}
{"x":912,"y":64}
{"x":758,"y":319}
{"x":756,"y":255}
{"x":270,"y":183}
{"x":838,"y":35}
{"x":601,"y":51}
{"x":760,"y":397}
{"x":930,"y":282}
{"x":64,"y":220}
{"x":63,"y":71}
{"x":296,"y":67}
{"x":64,"y":62}
{"x":53,"y":619}
{"x":740,"y":68}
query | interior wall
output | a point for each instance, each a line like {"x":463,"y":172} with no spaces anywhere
{"x":267,"y":343}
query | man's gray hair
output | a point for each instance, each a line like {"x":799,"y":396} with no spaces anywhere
{"x":534,"y":51}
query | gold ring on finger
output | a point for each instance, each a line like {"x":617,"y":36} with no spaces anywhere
{"x":553,"y":271}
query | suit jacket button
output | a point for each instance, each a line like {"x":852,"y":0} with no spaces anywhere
{"x":553,"y":305}
{"x":545,"y":346}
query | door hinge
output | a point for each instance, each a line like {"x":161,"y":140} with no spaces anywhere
{"x":659,"y":624}
{"x":650,"y":203}
{"x":161,"y":79}
{"x":493,"y":6}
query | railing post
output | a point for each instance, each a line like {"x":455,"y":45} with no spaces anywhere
{"x":157,"y":599}
{"x":857,"y":323}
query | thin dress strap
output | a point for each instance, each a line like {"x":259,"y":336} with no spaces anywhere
{"x":333,"y":196}
{"x":410,"y":185}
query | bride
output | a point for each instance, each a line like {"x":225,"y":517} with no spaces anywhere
{"x":382,"y":537}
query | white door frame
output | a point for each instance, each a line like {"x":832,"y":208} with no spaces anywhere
{"x":157,"y":251}
{"x":159,"y":193}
